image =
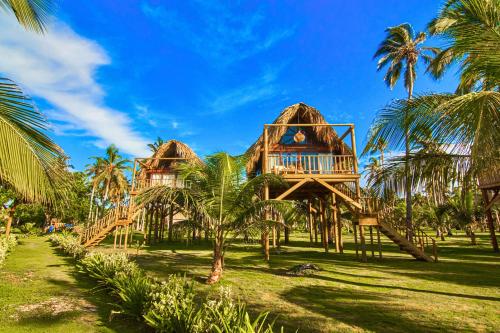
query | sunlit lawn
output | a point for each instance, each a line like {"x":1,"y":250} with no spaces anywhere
{"x":395,"y":294}
{"x":41,"y":290}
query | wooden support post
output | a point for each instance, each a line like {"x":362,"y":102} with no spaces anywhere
{"x":274,"y":236}
{"x":489,"y":217}
{"x":315,"y":220}
{"x":324,"y":228}
{"x":371,"y":242}
{"x":336,"y":225}
{"x":363,"y":243}
{"x":126,"y":235}
{"x":355,"y":239}
{"x":116,"y":235}
{"x":266,"y":231}
{"x":379,"y":243}
{"x":310,"y":221}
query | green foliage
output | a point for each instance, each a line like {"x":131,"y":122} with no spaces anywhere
{"x":33,"y":214}
{"x":168,"y":306}
{"x":69,"y":244}
{"x":172,"y":307}
{"x":6,"y":245}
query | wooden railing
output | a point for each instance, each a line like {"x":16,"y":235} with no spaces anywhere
{"x":293,"y":163}
{"x":490,"y":177}
{"x":426,"y":243}
{"x":141,"y":184}
{"x":107,"y":220}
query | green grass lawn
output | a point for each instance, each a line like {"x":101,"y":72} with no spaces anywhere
{"x":42,"y":292}
{"x":395,"y":294}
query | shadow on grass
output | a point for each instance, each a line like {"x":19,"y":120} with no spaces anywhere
{"x":368,"y":311}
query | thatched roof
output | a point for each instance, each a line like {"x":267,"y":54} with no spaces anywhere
{"x":295,"y":114}
{"x":169,"y":149}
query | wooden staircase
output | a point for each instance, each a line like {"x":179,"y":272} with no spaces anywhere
{"x":417,"y":250}
{"x":94,"y":234}
{"x":422,"y":247}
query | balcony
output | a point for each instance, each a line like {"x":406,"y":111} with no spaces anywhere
{"x":141,"y":184}
{"x":310,"y":164}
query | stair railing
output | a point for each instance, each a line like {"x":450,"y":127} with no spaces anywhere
{"x":426,"y":243}
{"x":116,"y":213}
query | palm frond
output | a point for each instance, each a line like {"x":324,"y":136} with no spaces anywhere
{"x":30,"y":161}
{"x":32,"y":14}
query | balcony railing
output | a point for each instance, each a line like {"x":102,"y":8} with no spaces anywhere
{"x":141,"y":184}
{"x":294,"y":163}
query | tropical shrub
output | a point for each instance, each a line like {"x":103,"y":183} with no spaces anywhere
{"x":133,"y":289}
{"x":166,"y":306}
{"x":172,"y":307}
{"x":69,"y":244}
{"x":104,"y":267}
{"x":6,"y":245}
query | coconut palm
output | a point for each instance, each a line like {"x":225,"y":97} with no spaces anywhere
{"x":110,"y":173}
{"x":400,"y":51}
{"x":31,"y":14}
{"x":221,"y":195}
{"x":471,"y":32}
{"x":156,"y":145}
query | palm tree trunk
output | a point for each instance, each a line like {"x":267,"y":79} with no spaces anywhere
{"x":91,"y":202}
{"x":409,"y":225}
{"x":218,"y":260}
{"x":170,"y":222}
{"x":10,"y":218}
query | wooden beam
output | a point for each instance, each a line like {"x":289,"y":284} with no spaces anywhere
{"x":345,"y":134}
{"x":293,"y":188}
{"x":495,"y":198}
{"x":266,"y":150}
{"x":309,"y":125}
{"x":337,"y":192}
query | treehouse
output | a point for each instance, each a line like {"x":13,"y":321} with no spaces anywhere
{"x":160,"y":169}
{"x":309,"y":154}
{"x":318,"y":162}
{"x":154,"y":220}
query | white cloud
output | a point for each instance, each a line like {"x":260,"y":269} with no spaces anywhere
{"x":60,"y":68}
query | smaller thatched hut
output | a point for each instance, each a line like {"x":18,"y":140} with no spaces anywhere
{"x":298,"y":144}
{"x":160,"y":169}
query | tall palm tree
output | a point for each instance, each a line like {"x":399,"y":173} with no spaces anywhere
{"x":221,"y":195}
{"x":111,"y":173}
{"x":400,"y":51}
{"x":464,"y":124}
{"x":91,"y":171}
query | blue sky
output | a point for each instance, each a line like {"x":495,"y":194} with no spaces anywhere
{"x":207,"y":73}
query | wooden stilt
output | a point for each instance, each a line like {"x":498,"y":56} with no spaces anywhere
{"x":121,"y":231}
{"x":126,"y":236}
{"x":371,"y":242}
{"x":336,"y":222}
{"x":363,"y":243}
{"x":324,"y":225}
{"x":310,"y":221}
{"x":379,"y":243}
{"x":274,"y":236}
{"x":489,"y":218}
{"x":116,"y":235}
{"x":355,"y":240}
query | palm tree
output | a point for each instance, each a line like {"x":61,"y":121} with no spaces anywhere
{"x":110,"y":172}
{"x":465,"y":125}
{"x":156,"y":145}
{"x":91,"y":171}
{"x":401,"y":51}
{"x":471,"y":30}
{"x":221,"y":195}
{"x":30,"y":160}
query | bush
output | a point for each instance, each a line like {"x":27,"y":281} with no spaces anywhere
{"x":172,"y":307}
{"x":168,"y":306}
{"x":133,"y":289}
{"x":103,"y":267}
{"x":69,"y":244}
{"x":6,"y":245}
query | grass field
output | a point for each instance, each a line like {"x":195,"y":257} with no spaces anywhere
{"x":395,"y":294}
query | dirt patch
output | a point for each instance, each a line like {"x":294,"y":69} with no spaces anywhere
{"x":53,"y":307}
